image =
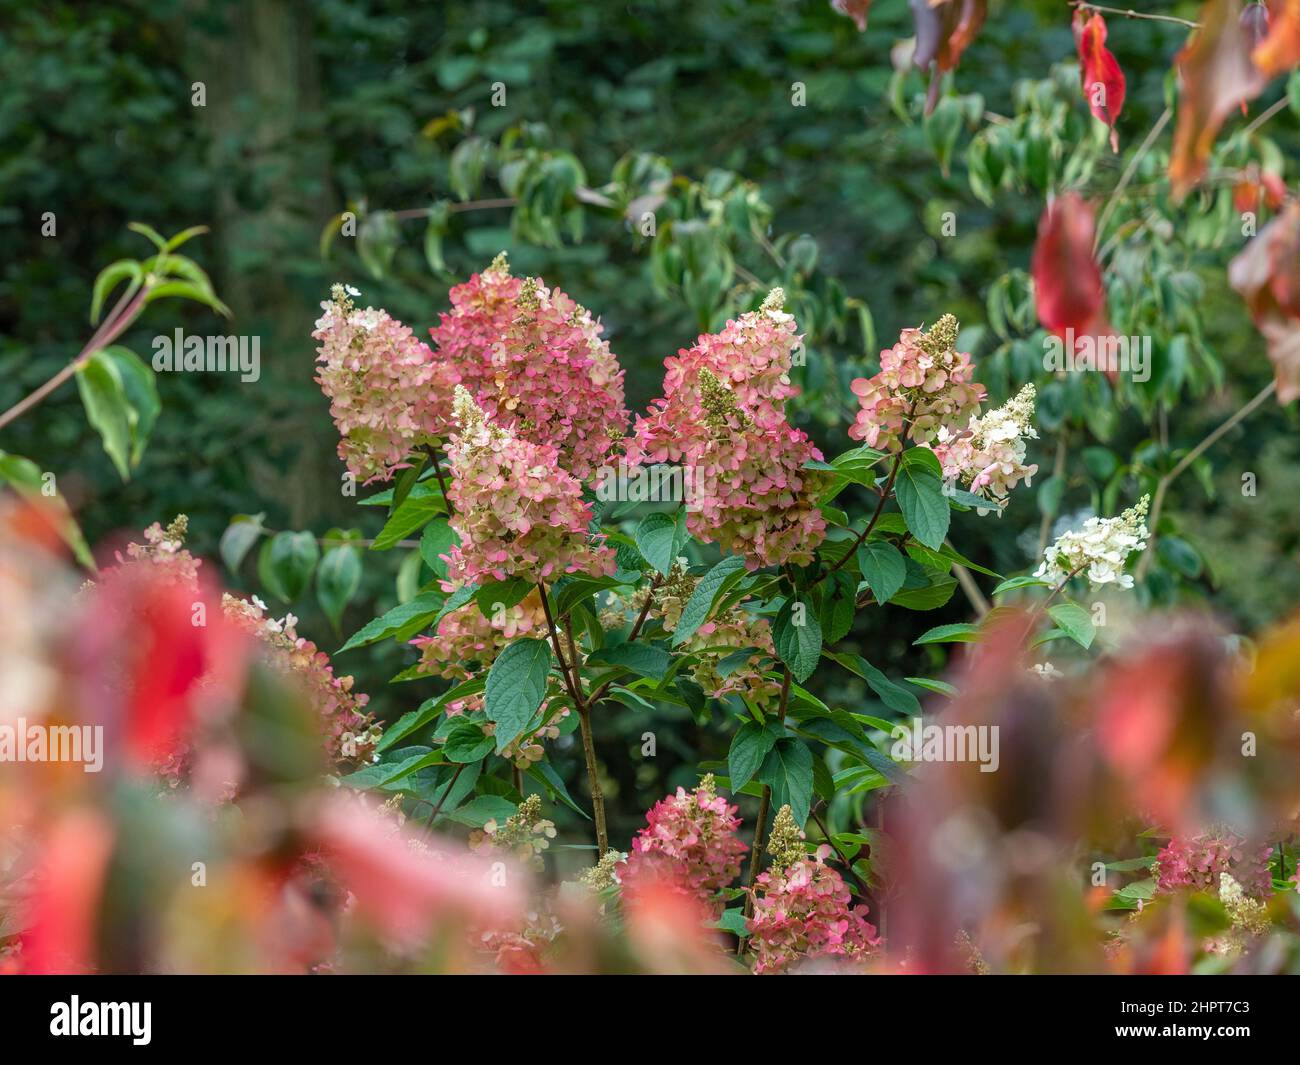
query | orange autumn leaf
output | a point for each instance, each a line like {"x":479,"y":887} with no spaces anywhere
{"x":1272,"y":685}
{"x":1280,"y":50}
{"x":1216,"y":75}
{"x":1256,"y":190}
{"x":1103,"y":80}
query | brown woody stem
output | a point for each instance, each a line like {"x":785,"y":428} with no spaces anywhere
{"x":569,"y":670}
{"x":764,"y":806}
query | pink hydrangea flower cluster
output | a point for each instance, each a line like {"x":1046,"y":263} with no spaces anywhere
{"x":534,"y":360}
{"x":987,"y":458}
{"x":351,"y":734}
{"x":466,"y":642}
{"x":923,"y":383}
{"x":806,"y":911}
{"x":722,"y":415}
{"x":737,"y":628}
{"x":388,"y":393}
{"x":690,"y":843}
{"x":516,"y":512}
{"x":1197,"y":861}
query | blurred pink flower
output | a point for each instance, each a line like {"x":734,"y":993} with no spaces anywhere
{"x":150,"y":672}
{"x":410,"y":889}
{"x":667,"y":929}
{"x":62,"y":913}
{"x":689,"y":841}
{"x":192,"y":651}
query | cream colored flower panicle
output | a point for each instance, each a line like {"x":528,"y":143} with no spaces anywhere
{"x":988,"y":456}
{"x":1099,"y":550}
{"x":471,"y":423}
{"x":1246,"y":914}
{"x":786,"y":844}
{"x":604,"y":874}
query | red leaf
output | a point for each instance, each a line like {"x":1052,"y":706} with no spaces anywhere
{"x":1274,"y":189}
{"x":63,"y":910}
{"x":855,"y":9}
{"x":1256,"y":190}
{"x":1267,"y":274}
{"x":1216,"y":75}
{"x":1068,"y":287}
{"x":944,"y":30}
{"x":1280,"y":50}
{"x":1103,"y":80}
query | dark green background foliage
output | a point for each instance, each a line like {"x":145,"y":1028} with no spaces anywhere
{"x":314,"y":108}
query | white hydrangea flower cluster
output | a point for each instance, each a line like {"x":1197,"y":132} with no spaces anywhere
{"x":1099,"y":549}
{"x":988,"y":456}
{"x":1246,"y":914}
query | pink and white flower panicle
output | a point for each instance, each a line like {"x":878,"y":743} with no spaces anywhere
{"x":802,"y":907}
{"x":534,"y":360}
{"x":689,"y":842}
{"x":388,"y":394}
{"x":988,"y":457}
{"x":924,"y":383}
{"x":722,"y":416}
{"x":517,"y":513}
